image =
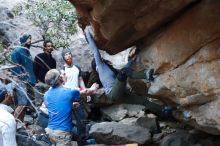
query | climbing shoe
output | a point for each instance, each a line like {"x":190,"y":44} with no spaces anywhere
{"x":122,"y":76}
{"x":149,"y":74}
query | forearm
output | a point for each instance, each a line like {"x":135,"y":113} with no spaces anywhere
{"x":89,"y":91}
{"x":86,"y":92}
{"x":81,"y":82}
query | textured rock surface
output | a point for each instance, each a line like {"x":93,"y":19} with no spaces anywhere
{"x":118,"y":24}
{"x":119,"y":112}
{"x":116,"y":133}
{"x":180,"y":39}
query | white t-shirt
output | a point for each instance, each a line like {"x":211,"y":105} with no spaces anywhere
{"x":7,"y":126}
{"x":72,"y":75}
{"x":6,"y":108}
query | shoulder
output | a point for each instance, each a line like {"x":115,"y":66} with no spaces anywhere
{"x":40,"y":54}
{"x":47,"y":92}
{"x":75,"y":93}
{"x":72,"y":92}
{"x":53,"y":59}
{"x":17,"y":50}
{"x":37,"y":56}
{"x":78,"y":67}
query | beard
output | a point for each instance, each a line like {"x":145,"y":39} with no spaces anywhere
{"x":49,"y":51}
{"x":27,"y":46}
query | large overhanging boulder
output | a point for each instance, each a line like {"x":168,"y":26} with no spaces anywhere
{"x":119,"y":24}
{"x":180,"y":39}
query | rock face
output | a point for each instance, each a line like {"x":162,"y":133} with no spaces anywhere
{"x":119,"y":24}
{"x":119,"y":112}
{"x":180,"y":39}
{"x":117,"y":133}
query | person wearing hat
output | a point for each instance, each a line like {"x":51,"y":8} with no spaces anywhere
{"x":74,"y":80}
{"x":7,"y":120}
{"x":24,"y":70}
{"x":22,"y":57}
{"x":59,"y":100}
{"x":72,"y":71}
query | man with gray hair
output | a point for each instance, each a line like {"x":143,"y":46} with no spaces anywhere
{"x":58,"y":100}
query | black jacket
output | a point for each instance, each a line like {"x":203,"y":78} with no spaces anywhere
{"x":42,"y":64}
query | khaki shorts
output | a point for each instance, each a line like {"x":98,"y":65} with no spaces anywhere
{"x":59,"y":137}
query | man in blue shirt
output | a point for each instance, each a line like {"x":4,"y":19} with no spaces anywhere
{"x":59,"y":101}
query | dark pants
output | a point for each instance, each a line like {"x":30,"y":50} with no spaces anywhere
{"x":43,"y":120}
{"x":79,"y":116}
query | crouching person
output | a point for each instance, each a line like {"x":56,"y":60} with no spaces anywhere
{"x":7,"y":120}
{"x":59,"y":101}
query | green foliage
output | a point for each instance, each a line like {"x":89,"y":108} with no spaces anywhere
{"x":17,"y":9}
{"x":56,"y":18}
{"x":1,"y":47}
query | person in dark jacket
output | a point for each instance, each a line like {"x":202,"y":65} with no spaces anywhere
{"x":22,"y":57}
{"x":24,"y":70}
{"x":43,"y":62}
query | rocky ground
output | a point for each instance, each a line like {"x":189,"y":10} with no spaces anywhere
{"x":125,"y":124}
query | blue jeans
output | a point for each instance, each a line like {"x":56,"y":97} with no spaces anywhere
{"x":21,"y":93}
{"x":43,"y":120}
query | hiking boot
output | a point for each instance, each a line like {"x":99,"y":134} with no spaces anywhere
{"x":122,"y":76}
{"x":149,"y":74}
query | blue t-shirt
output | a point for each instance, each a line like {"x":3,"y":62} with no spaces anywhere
{"x":59,"y":103}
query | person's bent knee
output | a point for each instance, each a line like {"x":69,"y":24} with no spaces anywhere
{"x":112,"y":98}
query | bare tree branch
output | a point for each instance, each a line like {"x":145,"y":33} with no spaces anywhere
{"x":37,"y":41}
{"x":37,"y":46}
